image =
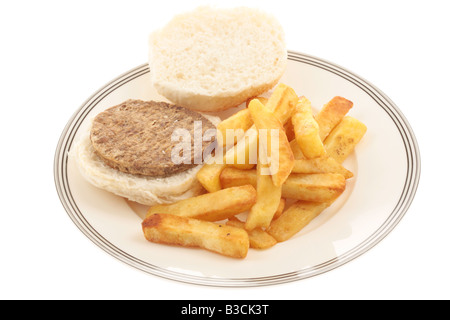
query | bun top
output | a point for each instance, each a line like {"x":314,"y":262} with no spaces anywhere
{"x":213,"y":59}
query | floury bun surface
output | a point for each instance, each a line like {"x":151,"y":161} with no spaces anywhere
{"x":213,"y":59}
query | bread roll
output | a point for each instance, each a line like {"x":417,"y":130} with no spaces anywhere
{"x":213,"y":59}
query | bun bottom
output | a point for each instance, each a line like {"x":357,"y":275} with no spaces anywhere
{"x":141,"y":189}
{"x":211,"y":104}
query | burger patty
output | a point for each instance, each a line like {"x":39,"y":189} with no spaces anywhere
{"x":135,"y":136}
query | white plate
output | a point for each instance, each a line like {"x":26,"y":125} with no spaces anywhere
{"x":386,"y":164}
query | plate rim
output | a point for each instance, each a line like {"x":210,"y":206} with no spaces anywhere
{"x":411,"y":183}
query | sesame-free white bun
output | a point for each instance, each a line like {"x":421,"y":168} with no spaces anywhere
{"x":214,"y":59}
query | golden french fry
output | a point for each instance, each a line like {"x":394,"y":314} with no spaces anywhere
{"x":282,"y":102}
{"x":188,"y":232}
{"x":277,"y":149}
{"x":232,"y":177}
{"x":258,"y":238}
{"x":209,"y":176}
{"x":294,"y":219}
{"x":268,"y":198}
{"x":323,"y":164}
{"x":214,"y":206}
{"x":331,"y":114}
{"x":317,"y":187}
{"x":307,"y":130}
{"x":236,"y":125}
{"x":341,"y":142}
{"x":280,"y":209}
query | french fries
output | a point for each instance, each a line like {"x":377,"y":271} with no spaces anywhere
{"x":294,"y":219}
{"x":280,"y":103}
{"x":187,"y":232}
{"x":268,"y":197}
{"x":213,"y":206}
{"x":232,"y":177}
{"x":323,"y":164}
{"x":331,"y":114}
{"x":281,"y":156}
{"x":258,"y":238}
{"x":209,"y":176}
{"x":338,"y":145}
{"x":319,"y":187}
{"x":299,"y":173}
{"x":345,"y":136}
{"x":306,"y":130}
{"x":241,"y":121}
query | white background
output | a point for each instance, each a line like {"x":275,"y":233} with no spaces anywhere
{"x":55,"y":54}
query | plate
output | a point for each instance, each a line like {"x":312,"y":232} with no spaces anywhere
{"x":386,"y":164}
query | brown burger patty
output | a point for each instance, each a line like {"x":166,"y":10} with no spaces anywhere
{"x":135,"y":136}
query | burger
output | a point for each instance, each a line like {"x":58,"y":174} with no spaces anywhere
{"x":135,"y":150}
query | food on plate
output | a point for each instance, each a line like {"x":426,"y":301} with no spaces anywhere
{"x":127,"y":151}
{"x":306,"y":130}
{"x":212,"y":59}
{"x":226,"y":207}
{"x":344,"y":137}
{"x":196,"y":171}
{"x":188,"y":232}
{"x":214,"y":206}
{"x":331,"y":114}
